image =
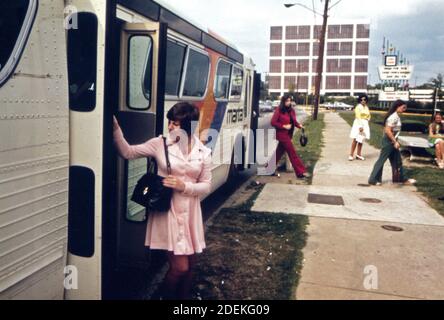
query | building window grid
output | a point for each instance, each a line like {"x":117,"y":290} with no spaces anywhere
{"x":339,"y":48}
{"x":298,"y":82}
{"x":274,"y":82}
{"x":361,"y":65}
{"x":339,"y":65}
{"x":362,"y":48}
{"x":276,"y":33}
{"x":297,"y":49}
{"x":338,"y":82}
{"x":342,"y":31}
{"x":342,"y":48}
{"x":360,"y":82}
{"x":297,"y":66}
{"x":363,"y":31}
{"x":297,"y":32}
{"x":275,"y":66}
{"x":276,"y":49}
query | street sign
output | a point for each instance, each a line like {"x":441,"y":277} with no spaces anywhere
{"x":422,"y":95}
{"x":422,"y":91}
{"x":391,"y":61}
{"x":395,"y":73}
{"x":389,"y":89}
{"x":393,"y":96}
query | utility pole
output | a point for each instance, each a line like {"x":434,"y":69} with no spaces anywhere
{"x":435,"y":102}
{"x":320,"y":62}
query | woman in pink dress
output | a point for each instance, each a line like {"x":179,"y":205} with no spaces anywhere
{"x":180,"y":231}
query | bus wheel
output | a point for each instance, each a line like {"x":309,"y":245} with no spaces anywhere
{"x":235,"y":168}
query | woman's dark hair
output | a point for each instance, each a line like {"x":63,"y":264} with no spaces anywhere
{"x":362,"y":95}
{"x":434,"y":117}
{"x":185,"y":113}
{"x":284,"y":98}
{"x":393,"y":109}
{"x":432,"y":123}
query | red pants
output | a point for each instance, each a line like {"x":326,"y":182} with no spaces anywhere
{"x":296,"y":162}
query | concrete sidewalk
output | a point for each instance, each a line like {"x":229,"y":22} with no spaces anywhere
{"x":346,"y":238}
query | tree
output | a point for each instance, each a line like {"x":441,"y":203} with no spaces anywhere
{"x":291,"y":88}
{"x":438,"y":81}
{"x":437,"y":85}
{"x":264,"y":90}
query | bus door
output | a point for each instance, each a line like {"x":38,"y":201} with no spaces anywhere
{"x":140,"y":115}
{"x":254,"y":117}
{"x":248,"y":134}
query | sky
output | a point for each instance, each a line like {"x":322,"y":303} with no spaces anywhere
{"x":415,"y":27}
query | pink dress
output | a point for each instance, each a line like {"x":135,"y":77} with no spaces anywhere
{"x":181,"y":229}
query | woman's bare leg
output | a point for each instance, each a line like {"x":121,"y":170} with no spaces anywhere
{"x":359,"y":149}
{"x":353,"y":147}
{"x":439,"y":150}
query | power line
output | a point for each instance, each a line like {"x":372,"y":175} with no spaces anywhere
{"x":288,"y":5}
{"x":337,"y":2}
{"x":314,"y":10}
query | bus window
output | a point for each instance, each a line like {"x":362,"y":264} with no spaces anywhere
{"x":196,"y":76}
{"x":247,"y":95}
{"x":236,"y":84}
{"x":139,"y":72}
{"x":174,"y":63}
{"x":222,"y":80}
{"x":82,"y":63}
{"x":16,"y":18}
{"x":136,"y":169}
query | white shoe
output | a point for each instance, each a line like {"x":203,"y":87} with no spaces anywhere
{"x":350,"y":158}
{"x":410,"y":182}
{"x":441,"y":165}
{"x":358,"y":157}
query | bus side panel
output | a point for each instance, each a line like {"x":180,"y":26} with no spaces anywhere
{"x":34,"y":153}
{"x":86,"y":146}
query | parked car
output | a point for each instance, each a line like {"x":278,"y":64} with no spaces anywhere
{"x":338,"y":106}
{"x":276,"y":104}
{"x":327,"y":105}
{"x":266,"y":107}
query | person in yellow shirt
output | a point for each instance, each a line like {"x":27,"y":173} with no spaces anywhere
{"x":360,"y":129}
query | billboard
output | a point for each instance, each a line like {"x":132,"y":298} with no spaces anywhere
{"x":393,"y":96}
{"x":396,"y":73}
{"x":391,"y":61}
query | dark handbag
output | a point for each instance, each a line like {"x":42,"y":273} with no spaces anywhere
{"x":150,"y":191}
{"x":303,"y":140}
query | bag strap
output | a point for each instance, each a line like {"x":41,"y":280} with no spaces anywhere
{"x":166,"y":156}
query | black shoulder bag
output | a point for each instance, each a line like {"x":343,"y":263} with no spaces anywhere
{"x":150,"y":192}
{"x":303,"y":140}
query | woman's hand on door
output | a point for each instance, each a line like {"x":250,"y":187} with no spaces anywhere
{"x":115,"y":124}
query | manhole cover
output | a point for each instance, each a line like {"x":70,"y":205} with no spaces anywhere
{"x":393,"y":228}
{"x":325,"y":199}
{"x":370,"y":200}
{"x":363,"y":185}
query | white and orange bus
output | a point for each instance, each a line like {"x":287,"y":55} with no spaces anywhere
{"x":66,"y":67}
